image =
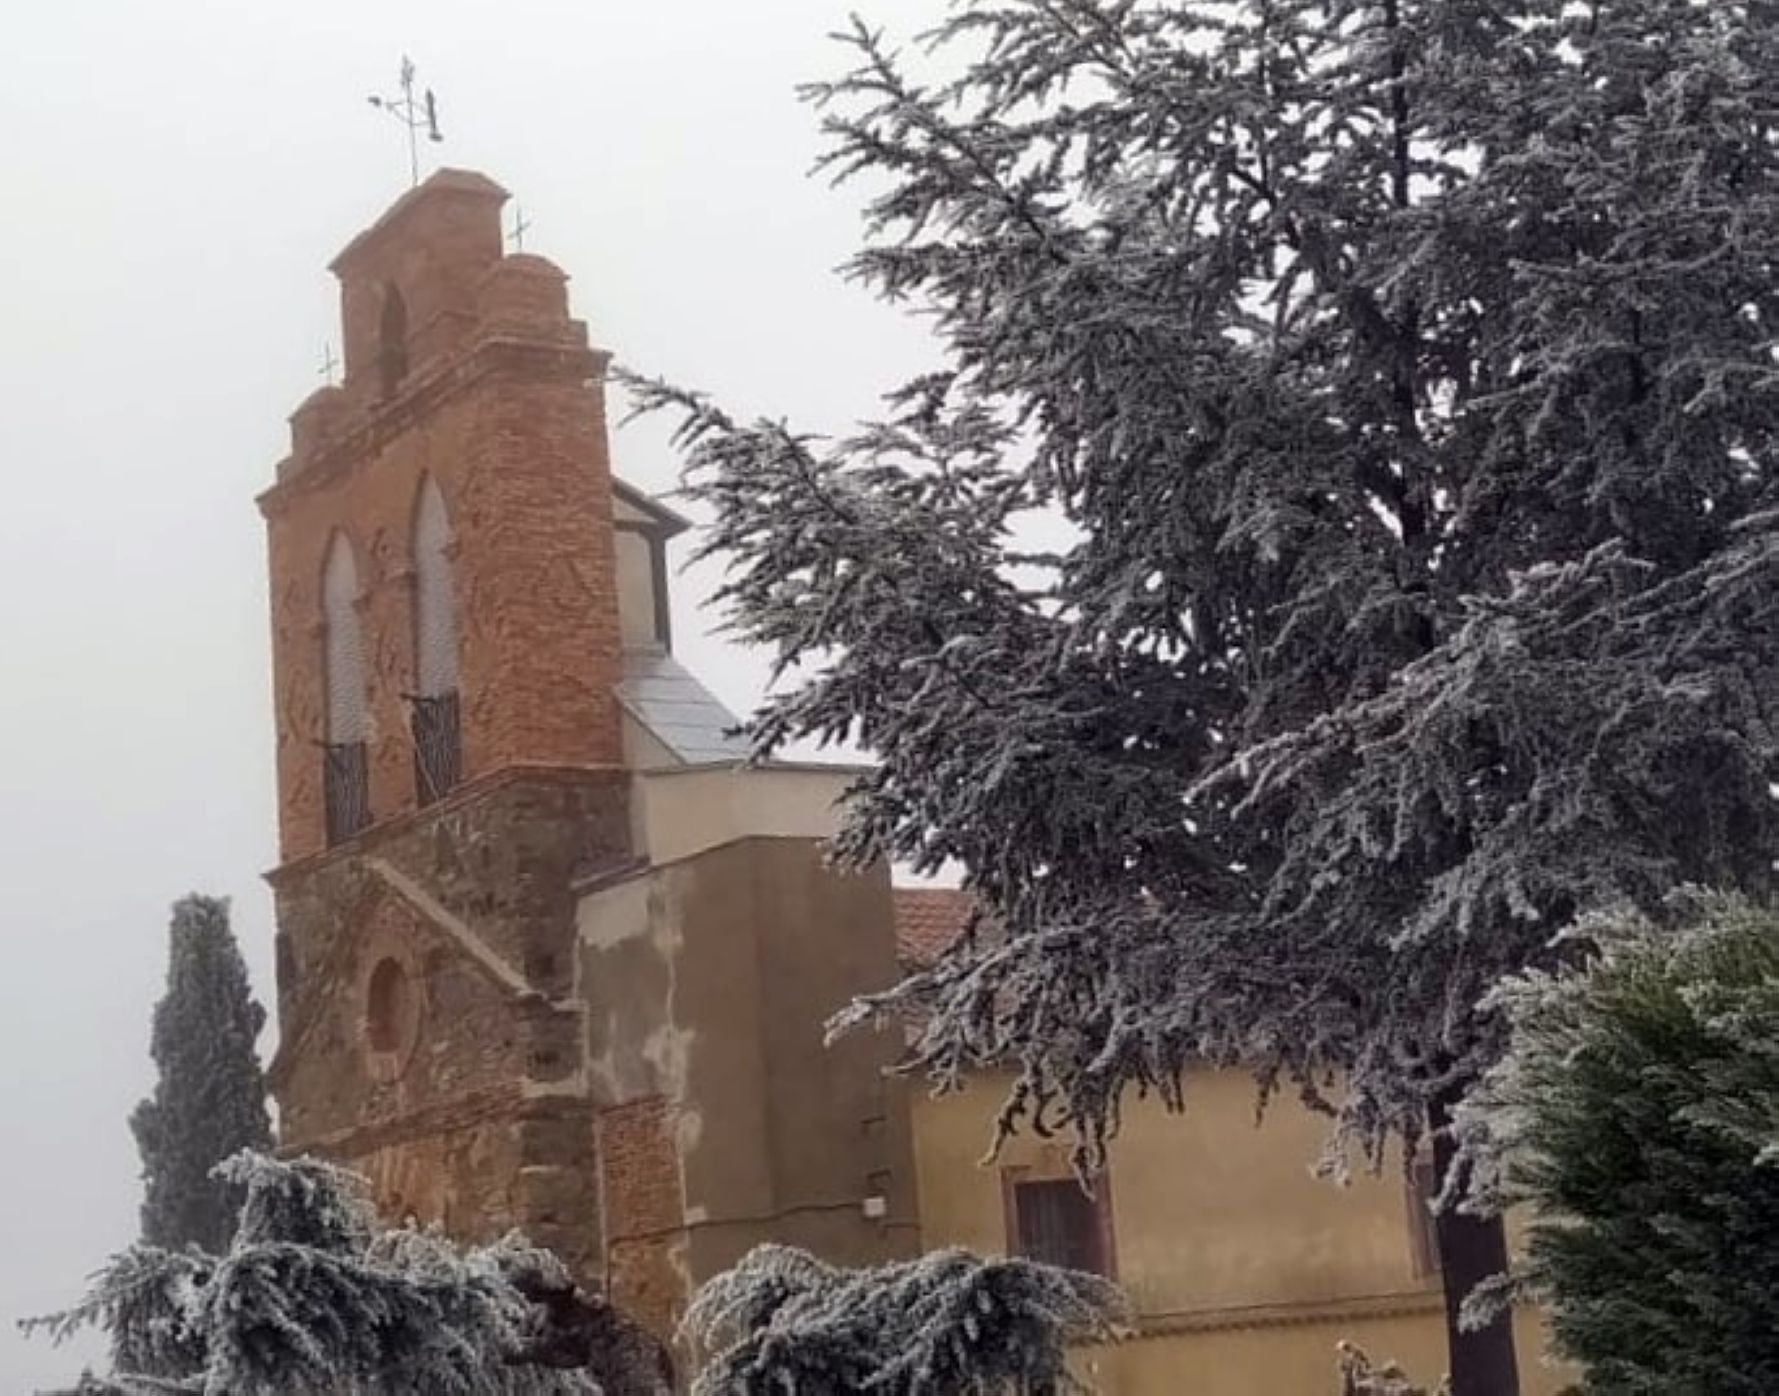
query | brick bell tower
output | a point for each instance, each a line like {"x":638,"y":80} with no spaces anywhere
{"x":446,"y":653}
{"x":547,"y":958}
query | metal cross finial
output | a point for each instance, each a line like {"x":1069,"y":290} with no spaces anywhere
{"x":328,"y":363}
{"x":416,"y":114}
{"x":521,"y":226}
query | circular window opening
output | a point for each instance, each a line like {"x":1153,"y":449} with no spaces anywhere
{"x":389,"y":1012}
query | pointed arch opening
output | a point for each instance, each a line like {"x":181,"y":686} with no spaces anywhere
{"x":345,"y":764}
{"x":392,"y":339}
{"x":436,"y":710}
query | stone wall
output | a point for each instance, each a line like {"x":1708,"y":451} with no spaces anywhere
{"x":470,"y":1109}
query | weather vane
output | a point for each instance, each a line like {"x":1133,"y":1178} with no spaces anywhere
{"x":417,"y":114}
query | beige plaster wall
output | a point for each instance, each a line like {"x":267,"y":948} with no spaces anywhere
{"x":678,"y":813}
{"x":1269,"y":1358}
{"x":1245,"y":1268}
{"x":706,"y":982}
{"x":636,"y":589}
{"x":644,"y":751}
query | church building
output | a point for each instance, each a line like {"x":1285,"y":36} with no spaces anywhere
{"x":549,"y":956}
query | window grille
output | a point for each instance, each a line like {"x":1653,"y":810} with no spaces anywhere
{"x":346,"y":789}
{"x":438,"y":752}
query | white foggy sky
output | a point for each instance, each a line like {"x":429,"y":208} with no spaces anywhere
{"x":176,"y":177}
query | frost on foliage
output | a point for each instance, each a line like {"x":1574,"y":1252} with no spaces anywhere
{"x":1359,"y":1376}
{"x":312,"y":1297}
{"x":1636,"y":1116}
{"x":209,"y":1100}
{"x":782,"y":1321}
{"x":1401,"y":375}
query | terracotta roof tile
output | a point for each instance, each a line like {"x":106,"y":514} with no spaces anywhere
{"x":928,"y":920}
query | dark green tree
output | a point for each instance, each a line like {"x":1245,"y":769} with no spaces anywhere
{"x":209,"y":1100}
{"x":1636,"y":1114}
{"x":1401,"y":375}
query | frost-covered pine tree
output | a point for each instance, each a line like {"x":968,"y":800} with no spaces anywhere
{"x":947,"y":1324}
{"x":1359,"y":1376}
{"x":1402,"y":374}
{"x":1637,"y":1113}
{"x":209,"y":1099}
{"x":312,"y":1298}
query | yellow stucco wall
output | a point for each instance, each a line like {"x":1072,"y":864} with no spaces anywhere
{"x":1244,"y":1268}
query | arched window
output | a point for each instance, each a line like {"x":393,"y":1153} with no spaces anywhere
{"x":392,"y":339}
{"x":345,"y":772}
{"x":390,"y":1007}
{"x":345,"y":644}
{"x":438,"y":763}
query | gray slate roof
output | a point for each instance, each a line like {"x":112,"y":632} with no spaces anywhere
{"x":679,"y":711}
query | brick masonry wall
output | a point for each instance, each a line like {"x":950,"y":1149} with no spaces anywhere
{"x":641,"y":1196}
{"x":433,"y":244}
{"x":462,"y":1096}
{"x":442,"y":1029}
{"x":508,"y":417}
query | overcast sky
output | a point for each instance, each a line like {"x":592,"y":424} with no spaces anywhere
{"x":176,"y":177}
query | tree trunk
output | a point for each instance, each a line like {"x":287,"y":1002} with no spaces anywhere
{"x":1471,"y":1250}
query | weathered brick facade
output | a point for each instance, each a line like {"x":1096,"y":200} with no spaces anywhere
{"x":502,"y":405}
{"x":469,"y":1113}
{"x":643,"y":1201}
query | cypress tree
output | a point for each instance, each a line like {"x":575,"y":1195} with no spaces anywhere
{"x":209,"y":1100}
{"x":1401,"y":373}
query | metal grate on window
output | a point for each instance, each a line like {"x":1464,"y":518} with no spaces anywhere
{"x":345,"y":783}
{"x":438,"y":749}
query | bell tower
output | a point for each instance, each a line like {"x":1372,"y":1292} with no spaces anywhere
{"x":447,"y":652}
{"x":550,"y":956}
{"x":471,"y":406}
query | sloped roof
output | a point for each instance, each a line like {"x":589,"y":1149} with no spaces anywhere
{"x":928,"y":921}
{"x":440,"y":184}
{"x":663,"y":520}
{"x":681,"y":713}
